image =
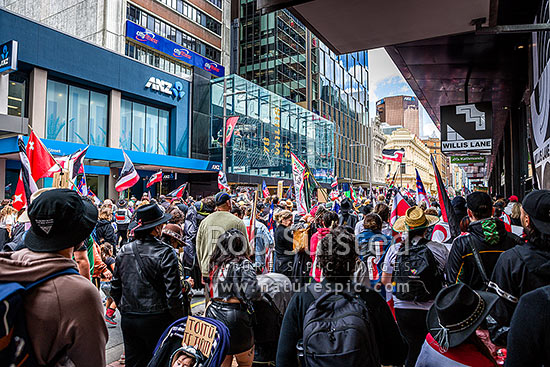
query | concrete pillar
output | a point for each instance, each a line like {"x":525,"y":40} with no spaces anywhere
{"x":114,"y":119}
{"x":113,"y":176}
{"x":2,"y":179}
{"x":37,"y":101}
{"x":4,"y":85}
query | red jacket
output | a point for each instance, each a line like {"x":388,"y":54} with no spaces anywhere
{"x":315,"y":272}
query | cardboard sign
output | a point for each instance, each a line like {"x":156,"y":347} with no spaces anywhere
{"x":199,"y":335}
{"x":280,"y":189}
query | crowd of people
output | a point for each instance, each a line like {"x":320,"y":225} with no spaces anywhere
{"x":368,"y":288}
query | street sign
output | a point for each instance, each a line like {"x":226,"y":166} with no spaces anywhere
{"x":467,"y":159}
{"x":8,"y":57}
{"x":467,"y":127}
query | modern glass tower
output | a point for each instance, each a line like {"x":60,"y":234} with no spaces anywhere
{"x":277,"y":52}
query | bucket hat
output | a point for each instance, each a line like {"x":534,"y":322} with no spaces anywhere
{"x":149,"y":216}
{"x":457,"y":312}
{"x":60,"y":219}
{"x":24,"y":218}
{"x":414,"y":219}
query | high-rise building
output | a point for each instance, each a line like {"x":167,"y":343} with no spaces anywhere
{"x":195,"y":25}
{"x":277,"y":52}
{"x":399,"y":111}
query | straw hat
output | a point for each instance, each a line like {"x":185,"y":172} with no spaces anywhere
{"x":414,"y":219}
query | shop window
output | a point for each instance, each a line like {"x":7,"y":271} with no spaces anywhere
{"x":143,"y":128}
{"x":76,"y":114}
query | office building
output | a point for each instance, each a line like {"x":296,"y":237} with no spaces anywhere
{"x":417,"y":156}
{"x":109,"y":104}
{"x":277,"y":52}
{"x":442,"y":161}
{"x":399,"y":111}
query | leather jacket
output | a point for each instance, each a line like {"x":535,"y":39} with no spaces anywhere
{"x":132,"y":290}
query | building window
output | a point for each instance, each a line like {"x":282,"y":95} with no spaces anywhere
{"x":16,"y":97}
{"x":195,"y":15}
{"x":143,"y":128}
{"x":157,"y":60}
{"x":76,"y":114}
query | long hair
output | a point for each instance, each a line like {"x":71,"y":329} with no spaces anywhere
{"x":231,"y":247}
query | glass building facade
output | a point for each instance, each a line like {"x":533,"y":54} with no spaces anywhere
{"x":269,"y":129}
{"x":279,"y":53}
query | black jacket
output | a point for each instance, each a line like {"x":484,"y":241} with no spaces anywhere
{"x":528,"y":339}
{"x":392,"y":349}
{"x":491,"y":239}
{"x":519,"y":270}
{"x":131,"y":290}
{"x":104,"y":230}
{"x":283,"y":241}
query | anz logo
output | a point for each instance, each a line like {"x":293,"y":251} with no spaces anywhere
{"x":162,"y":86}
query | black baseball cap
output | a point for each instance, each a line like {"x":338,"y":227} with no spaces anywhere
{"x":222,"y":198}
{"x":479,"y":202}
{"x":60,"y":219}
{"x":537,"y":205}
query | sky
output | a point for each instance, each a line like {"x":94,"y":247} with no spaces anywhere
{"x":385,"y":80}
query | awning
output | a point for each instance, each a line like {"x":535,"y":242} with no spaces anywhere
{"x":113,"y":157}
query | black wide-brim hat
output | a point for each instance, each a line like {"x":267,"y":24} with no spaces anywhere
{"x":60,"y":219}
{"x":451,"y":318}
{"x":149,"y":216}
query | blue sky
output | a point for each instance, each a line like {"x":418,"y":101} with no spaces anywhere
{"x":385,"y":80}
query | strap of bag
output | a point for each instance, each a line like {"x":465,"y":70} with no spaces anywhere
{"x":488,"y":283}
{"x":142,"y":267}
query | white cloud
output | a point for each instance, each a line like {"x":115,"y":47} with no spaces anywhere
{"x":386,"y":80}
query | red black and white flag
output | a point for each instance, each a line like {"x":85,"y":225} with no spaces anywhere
{"x":26,"y":185}
{"x":334,"y":183}
{"x":40,"y":160}
{"x":178,"y":192}
{"x":128,"y":176}
{"x":222,"y":181}
{"x":395,"y":155}
{"x":399,"y":207}
{"x":230,"y":127}
{"x":157,"y":177}
{"x":447,"y":211}
{"x":76,"y":165}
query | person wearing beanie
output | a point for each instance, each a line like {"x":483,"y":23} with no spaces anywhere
{"x":75,"y":333}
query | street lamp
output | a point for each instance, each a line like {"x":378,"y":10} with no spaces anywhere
{"x":224,"y":146}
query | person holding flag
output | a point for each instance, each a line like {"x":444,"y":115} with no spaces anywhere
{"x":421,"y":195}
{"x":265,"y":190}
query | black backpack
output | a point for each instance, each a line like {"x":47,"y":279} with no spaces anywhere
{"x":416,"y":274}
{"x":338,"y":332}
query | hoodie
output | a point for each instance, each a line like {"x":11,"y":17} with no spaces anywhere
{"x":491,"y":240}
{"x":63,"y":313}
{"x":315,"y":272}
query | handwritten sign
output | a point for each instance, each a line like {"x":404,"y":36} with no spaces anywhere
{"x":200,"y":335}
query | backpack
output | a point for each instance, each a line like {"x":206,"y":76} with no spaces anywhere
{"x":416,"y":274}
{"x":348,"y":219}
{"x":122,"y":216}
{"x":338,"y":331}
{"x":15,"y":343}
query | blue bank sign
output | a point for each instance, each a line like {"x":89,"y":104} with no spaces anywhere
{"x":8,"y":57}
{"x":172,"y":49}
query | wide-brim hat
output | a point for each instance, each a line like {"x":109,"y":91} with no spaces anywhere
{"x":149,"y":216}
{"x":457,"y":312}
{"x":60,"y":219}
{"x":413,"y":219}
{"x":174,"y":231}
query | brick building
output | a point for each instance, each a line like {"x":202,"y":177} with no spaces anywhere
{"x":399,"y":111}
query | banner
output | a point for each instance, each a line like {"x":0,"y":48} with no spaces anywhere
{"x":298,"y":178}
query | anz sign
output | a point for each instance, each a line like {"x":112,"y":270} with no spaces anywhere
{"x":162,"y":86}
